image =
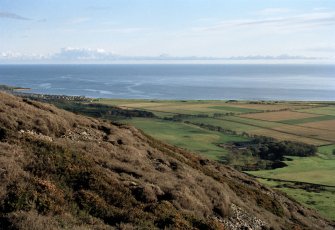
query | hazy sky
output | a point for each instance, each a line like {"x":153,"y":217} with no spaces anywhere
{"x":219,"y":28}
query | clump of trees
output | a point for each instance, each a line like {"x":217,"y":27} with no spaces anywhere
{"x":181,"y":117}
{"x":214,"y":128}
{"x":269,"y":149}
{"x":102,"y":111}
{"x":264,"y":153}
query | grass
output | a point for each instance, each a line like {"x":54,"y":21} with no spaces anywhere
{"x":253,"y":122}
{"x":241,"y":123}
{"x":329,"y":110}
{"x":328,"y":136}
{"x":257,"y":127}
{"x":323,"y":202}
{"x":322,"y":125}
{"x":185,"y":107}
{"x":288,"y":129}
{"x":186,"y":136}
{"x":222,"y":123}
{"x":234,"y":109}
{"x":309,"y":119}
{"x":327,"y":150}
{"x":279,"y":115}
{"x":318,"y":170}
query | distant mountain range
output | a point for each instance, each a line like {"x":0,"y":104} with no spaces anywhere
{"x":78,"y":55}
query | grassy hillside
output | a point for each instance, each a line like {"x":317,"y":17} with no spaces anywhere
{"x":64,"y":171}
{"x":318,"y":170}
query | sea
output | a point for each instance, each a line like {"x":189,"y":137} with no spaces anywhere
{"x":178,"y":81}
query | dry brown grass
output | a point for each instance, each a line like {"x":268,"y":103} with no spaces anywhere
{"x":278,"y":116}
{"x":327,"y":125}
{"x":325,"y":135}
{"x":269,"y":107}
{"x":195,"y":106}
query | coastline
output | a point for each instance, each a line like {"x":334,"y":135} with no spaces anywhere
{"x":22,"y":91}
{"x":13,"y":88}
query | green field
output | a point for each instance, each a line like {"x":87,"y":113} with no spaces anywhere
{"x":186,"y":136}
{"x":327,"y":151}
{"x":254,"y":122}
{"x":319,"y":169}
{"x":310,"y":119}
{"x":323,"y":201}
{"x":241,"y":124}
{"x":329,"y":110}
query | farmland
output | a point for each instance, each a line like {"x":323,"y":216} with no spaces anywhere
{"x":187,"y":136}
{"x":279,"y":116}
{"x":326,"y":125}
{"x":306,"y":122}
{"x":206,"y":127}
{"x":327,"y":110}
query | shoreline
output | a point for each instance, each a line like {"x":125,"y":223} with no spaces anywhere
{"x":13,"y":88}
{"x":22,"y":90}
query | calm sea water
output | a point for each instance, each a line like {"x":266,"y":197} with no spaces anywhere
{"x":251,"y":82}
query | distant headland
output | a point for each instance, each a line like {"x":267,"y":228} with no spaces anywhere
{"x":12,"y":88}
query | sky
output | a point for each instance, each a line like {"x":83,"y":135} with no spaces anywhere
{"x":107,"y":30}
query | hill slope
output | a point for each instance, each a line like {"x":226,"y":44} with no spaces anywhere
{"x":63,"y":171}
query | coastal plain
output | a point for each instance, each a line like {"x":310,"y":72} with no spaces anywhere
{"x":308,"y":122}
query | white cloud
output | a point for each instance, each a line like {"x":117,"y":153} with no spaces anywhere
{"x":10,"y":55}
{"x":301,"y":21}
{"x":71,"y":53}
